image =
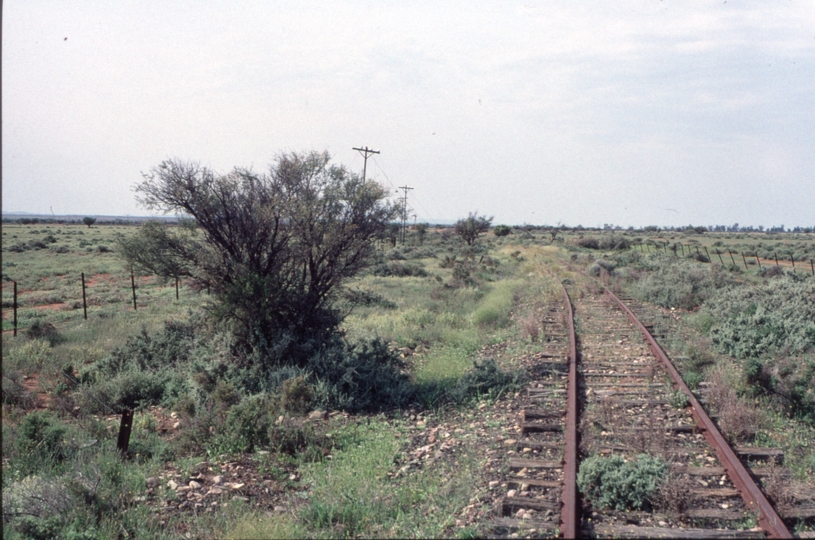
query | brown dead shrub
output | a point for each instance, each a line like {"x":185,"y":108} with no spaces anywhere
{"x":738,"y":419}
{"x":530,"y":326}
{"x":778,"y":487}
{"x":675,"y":494}
{"x":649,"y":438}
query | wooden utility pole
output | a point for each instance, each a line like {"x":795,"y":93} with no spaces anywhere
{"x":404,"y":211}
{"x":365,"y":153}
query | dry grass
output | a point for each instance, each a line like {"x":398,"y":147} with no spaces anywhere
{"x":649,"y":438}
{"x":531,"y":326}
{"x":675,"y":495}
{"x":738,"y":419}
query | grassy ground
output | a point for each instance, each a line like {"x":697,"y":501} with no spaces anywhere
{"x":439,"y":321}
{"x":347,"y":476}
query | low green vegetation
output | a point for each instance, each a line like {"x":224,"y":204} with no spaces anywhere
{"x":411,"y":340}
{"x":433,"y":327}
{"x":612,"y":482}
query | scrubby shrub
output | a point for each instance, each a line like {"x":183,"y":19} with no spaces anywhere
{"x":597,"y":267}
{"x":296,"y":395}
{"x":40,"y":442}
{"x":398,"y":269}
{"x":143,"y":351}
{"x":358,"y":297}
{"x":247,"y":426}
{"x":14,"y":393}
{"x":462,"y":277}
{"x":614,"y":242}
{"x":297,"y":437}
{"x":485,"y":379}
{"x":754,"y":321}
{"x":134,"y":389}
{"x":28,"y":357}
{"x":43,"y":331}
{"x":530,"y":326}
{"x":394,"y":255}
{"x":737,"y":418}
{"x":789,"y":382}
{"x":612,"y":482}
{"x":365,"y":376}
{"x":502,"y":230}
{"x":34,"y":504}
{"x":680,"y":284}
{"x":588,"y":242}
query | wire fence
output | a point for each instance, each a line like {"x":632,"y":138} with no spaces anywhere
{"x":12,"y":306}
{"x":676,"y":248}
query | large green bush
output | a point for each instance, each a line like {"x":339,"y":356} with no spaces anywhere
{"x":365,"y":376}
{"x":680,"y":284}
{"x":776,"y":316}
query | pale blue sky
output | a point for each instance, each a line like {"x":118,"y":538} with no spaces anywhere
{"x":632,"y":113}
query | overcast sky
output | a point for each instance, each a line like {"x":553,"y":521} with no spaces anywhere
{"x":634,"y":112}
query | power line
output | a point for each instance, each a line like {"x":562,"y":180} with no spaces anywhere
{"x":427,"y":214}
{"x":383,"y":173}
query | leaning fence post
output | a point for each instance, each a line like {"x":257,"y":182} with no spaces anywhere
{"x":708,"y":254}
{"x":757,"y":260}
{"x":15,"y":308}
{"x":792,"y":258}
{"x":731,"y":256}
{"x":84,"y":299}
{"x":133,"y":286}
{"x":744,"y":259}
{"x":720,"y":256}
{"x":124,"y":431}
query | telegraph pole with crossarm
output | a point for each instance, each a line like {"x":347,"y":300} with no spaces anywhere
{"x":404,"y":211}
{"x":365,"y":153}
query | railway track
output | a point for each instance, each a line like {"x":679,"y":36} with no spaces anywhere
{"x":609,"y":386}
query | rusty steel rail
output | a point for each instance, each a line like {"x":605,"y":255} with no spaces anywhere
{"x":768,"y":518}
{"x":570,"y":512}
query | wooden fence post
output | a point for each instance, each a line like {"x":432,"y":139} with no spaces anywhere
{"x":720,"y":256}
{"x":15,"y":308}
{"x":731,"y":256}
{"x":133,"y":286}
{"x":176,"y":287}
{"x":792,"y":258}
{"x":124,"y":431}
{"x":708,"y":254}
{"x":776,"y":258}
{"x":84,"y":299}
{"x":757,"y":259}
{"x":744,"y":259}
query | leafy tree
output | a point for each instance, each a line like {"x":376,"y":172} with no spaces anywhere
{"x":273,"y":249}
{"x":88,"y":221}
{"x":470,"y":228}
